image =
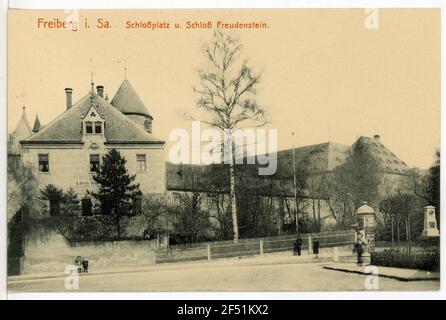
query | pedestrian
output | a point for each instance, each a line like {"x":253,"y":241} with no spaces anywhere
{"x":85,"y":264}
{"x":77,"y":263}
{"x":316,"y":247}
{"x":359,"y":250}
{"x":298,"y":245}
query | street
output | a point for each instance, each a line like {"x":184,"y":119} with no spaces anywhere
{"x":223,"y":276}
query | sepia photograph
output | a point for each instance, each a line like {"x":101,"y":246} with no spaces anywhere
{"x":223,"y":150}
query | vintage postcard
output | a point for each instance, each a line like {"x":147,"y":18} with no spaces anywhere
{"x":223,"y":150}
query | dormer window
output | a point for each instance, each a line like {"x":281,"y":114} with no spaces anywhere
{"x":88,"y":127}
{"x":98,"y":127}
{"x":93,"y":123}
{"x":93,"y":128}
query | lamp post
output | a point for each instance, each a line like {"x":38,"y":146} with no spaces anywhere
{"x":296,"y":216}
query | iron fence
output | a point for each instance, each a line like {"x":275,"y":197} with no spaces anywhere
{"x":250,"y":247}
{"x":411,"y":258}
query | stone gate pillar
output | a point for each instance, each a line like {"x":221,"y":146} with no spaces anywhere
{"x":430,"y":223}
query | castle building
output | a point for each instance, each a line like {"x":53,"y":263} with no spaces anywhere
{"x":67,"y":152}
{"x":318,"y":160}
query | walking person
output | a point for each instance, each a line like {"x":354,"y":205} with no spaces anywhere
{"x":298,"y":246}
{"x":359,"y":250}
{"x":316,"y":247}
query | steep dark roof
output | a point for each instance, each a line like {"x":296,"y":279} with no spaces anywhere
{"x":37,"y":126}
{"x":127,"y":101}
{"x":188,"y":177}
{"x":215,"y":179}
{"x":67,"y":127}
{"x":21,"y":131}
{"x":386,"y":159}
{"x":318,"y":158}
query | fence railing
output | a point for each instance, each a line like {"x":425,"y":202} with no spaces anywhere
{"x":250,"y":247}
{"x":413,"y":258}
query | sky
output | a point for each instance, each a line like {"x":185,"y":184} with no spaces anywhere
{"x":325,"y":76}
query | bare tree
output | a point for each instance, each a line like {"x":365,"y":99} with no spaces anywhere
{"x":351,"y":183}
{"x":227,"y":93}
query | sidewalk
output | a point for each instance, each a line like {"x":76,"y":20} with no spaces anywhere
{"x":257,"y":260}
{"x":386,"y":272}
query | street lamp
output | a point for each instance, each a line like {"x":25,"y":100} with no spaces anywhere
{"x":296,"y":216}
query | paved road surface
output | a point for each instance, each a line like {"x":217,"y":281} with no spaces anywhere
{"x":224,"y":277}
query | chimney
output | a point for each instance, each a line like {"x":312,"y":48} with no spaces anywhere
{"x":69,"y":94}
{"x":100,"y":90}
{"x":376,"y":137}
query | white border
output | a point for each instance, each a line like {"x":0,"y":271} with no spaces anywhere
{"x":168,"y":4}
{"x":3,"y":148}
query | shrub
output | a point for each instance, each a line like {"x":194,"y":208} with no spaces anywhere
{"x":417,"y":258}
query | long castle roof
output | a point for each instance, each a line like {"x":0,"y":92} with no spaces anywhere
{"x":318,"y":158}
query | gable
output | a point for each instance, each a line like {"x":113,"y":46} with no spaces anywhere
{"x":92,"y":115}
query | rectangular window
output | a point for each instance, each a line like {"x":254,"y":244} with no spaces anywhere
{"x":88,"y":127}
{"x":141,"y":164}
{"x":94,"y":163}
{"x":97,"y":127}
{"x":86,"y":207}
{"x":44,"y":164}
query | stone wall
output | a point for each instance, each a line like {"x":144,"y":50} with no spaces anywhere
{"x":50,"y":252}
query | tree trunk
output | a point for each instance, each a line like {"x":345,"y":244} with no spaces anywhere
{"x":393,"y":238}
{"x":316,"y":222}
{"x":118,"y":226}
{"x":297,"y":213}
{"x":233,"y":201}
{"x":408,"y":234}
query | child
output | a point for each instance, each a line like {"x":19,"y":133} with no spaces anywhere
{"x":85,"y":264}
